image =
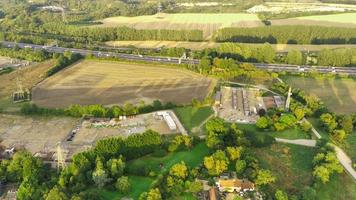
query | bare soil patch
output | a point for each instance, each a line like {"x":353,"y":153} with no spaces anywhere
{"x":36,"y":134}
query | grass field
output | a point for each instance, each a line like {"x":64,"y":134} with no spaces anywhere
{"x":108,"y":83}
{"x":27,"y":76}
{"x":291,"y":164}
{"x":208,"y":22}
{"x":286,"y":134}
{"x":338,"y":94}
{"x":192,"y":158}
{"x":192,"y":117}
{"x":139,"y":185}
{"x":342,"y":183}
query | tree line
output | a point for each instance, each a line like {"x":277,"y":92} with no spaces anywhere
{"x":288,"y":35}
{"x":96,"y":110}
{"x":62,"y":61}
{"x":24,"y":54}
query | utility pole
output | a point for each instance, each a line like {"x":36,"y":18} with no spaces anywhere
{"x":61,"y":163}
{"x":288,"y":98}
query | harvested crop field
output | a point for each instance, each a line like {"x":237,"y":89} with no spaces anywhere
{"x":114,"y":83}
{"x":337,"y":94}
{"x":205,"y":45}
{"x":335,"y":20}
{"x":208,"y":22}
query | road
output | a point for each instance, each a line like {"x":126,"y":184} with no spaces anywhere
{"x":303,"y":142}
{"x":161,"y":59}
{"x":175,"y":60}
{"x":306,"y":68}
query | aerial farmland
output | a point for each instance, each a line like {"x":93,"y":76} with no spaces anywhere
{"x":207,"y":22}
{"x":110,"y":83}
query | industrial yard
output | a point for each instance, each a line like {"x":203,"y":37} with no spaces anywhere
{"x":41,"y":136}
{"x":243,"y":104}
{"x":114,"y":83}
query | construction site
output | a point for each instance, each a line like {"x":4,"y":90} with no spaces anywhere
{"x":56,"y":140}
{"x":237,"y":104}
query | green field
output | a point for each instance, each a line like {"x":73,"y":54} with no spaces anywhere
{"x":209,"y":23}
{"x":192,"y":158}
{"x":292,"y":166}
{"x":286,"y":134}
{"x":338,"y":94}
{"x":141,"y":184}
{"x":138,"y":186}
{"x":226,"y":19}
{"x":192,"y":116}
{"x":340,"y":187}
{"x":336,"y":18}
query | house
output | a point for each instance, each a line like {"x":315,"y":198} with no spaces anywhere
{"x":235,"y":185}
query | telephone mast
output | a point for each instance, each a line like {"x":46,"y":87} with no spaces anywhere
{"x":288,"y":98}
{"x":61,"y":163}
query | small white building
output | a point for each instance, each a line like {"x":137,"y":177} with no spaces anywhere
{"x":168,"y":119}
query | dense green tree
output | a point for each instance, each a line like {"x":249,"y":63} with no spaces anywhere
{"x":264,"y":177}
{"x":216,"y":163}
{"x":240,"y":166}
{"x":293,"y":34}
{"x":294,"y":57}
{"x":100,"y":176}
{"x":56,"y":194}
{"x":262,"y":122}
{"x":179,"y":170}
{"x":195,"y":187}
{"x":115,"y":167}
{"x":123,"y":185}
{"x":328,"y":121}
{"x":347,"y":124}
{"x":338,"y":135}
{"x":234,"y":153}
{"x":305,"y":126}
{"x":281,"y":195}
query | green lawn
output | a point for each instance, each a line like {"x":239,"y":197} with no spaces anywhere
{"x":340,"y":187}
{"x":139,"y":185}
{"x":192,"y":158}
{"x":286,"y":134}
{"x":291,"y":164}
{"x":192,"y":117}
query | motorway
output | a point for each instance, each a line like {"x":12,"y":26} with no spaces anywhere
{"x":174,"y":60}
{"x":133,"y":57}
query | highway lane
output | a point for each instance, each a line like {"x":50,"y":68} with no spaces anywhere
{"x":175,"y":60}
{"x":84,"y":52}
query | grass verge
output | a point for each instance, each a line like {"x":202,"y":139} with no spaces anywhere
{"x":192,"y":116}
